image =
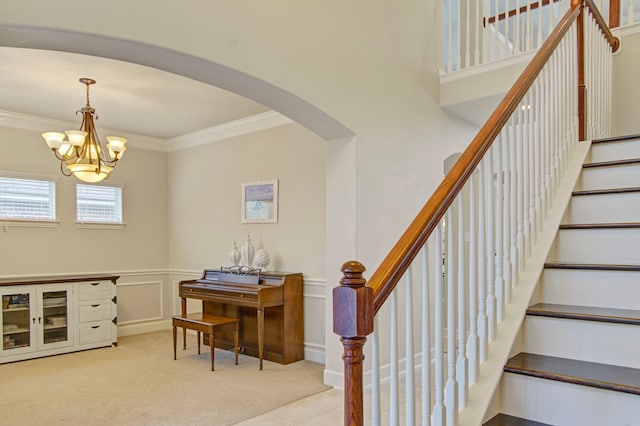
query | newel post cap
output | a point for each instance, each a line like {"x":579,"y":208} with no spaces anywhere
{"x":353,"y":303}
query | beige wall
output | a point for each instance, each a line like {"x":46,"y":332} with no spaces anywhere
{"x":626,"y":87}
{"x":371,"y":66}
{"x":205,"y":200}
{"x":142,"y":244}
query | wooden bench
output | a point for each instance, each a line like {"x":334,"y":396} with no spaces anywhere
{"x":203,"y":323}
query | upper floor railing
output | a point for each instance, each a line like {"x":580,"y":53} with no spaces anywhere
{"x":483,"y":31}
{"x":435,"y":304}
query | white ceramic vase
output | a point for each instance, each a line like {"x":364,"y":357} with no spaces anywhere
{"x":234,"y":255}
{"x":261,"y":259}
{"x":247,"y":251}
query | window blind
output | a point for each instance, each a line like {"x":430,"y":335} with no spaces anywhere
{"x":99,"y":204}
{"x":29,"y":199}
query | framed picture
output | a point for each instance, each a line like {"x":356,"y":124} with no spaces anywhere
{"x":260,"y":202}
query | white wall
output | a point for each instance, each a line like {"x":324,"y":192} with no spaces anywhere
{"x":372,"y":66}
{"x":626,"y":90}
{"x":205,"y":211}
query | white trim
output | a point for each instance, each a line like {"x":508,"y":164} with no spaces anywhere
{"x":315,"y":296}
{"x":522,"y":58}
{"x":242,"y":126}
{"x":30,"y":176}
{"x":99,"y":225}
{"x":132,"y":273}
{"x":141,"y":328}
{"x":626,"y":30}
{"x":28,"y":223}
{"x":35,"y":123}
{"x":160,"y":284}
{"x":315,"y":282}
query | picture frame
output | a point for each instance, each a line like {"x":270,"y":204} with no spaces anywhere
{"x":260,"y":201}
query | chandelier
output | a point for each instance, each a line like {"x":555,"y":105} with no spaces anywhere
{"x":82,"y":154}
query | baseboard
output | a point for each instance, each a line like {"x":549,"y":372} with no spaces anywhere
{"x":314,"y":354}
{"x":141,"y":328}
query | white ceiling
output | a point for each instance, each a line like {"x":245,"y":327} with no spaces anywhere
{"x":127,"y":97}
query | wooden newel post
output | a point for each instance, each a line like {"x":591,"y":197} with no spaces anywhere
{"x":353,"y":321}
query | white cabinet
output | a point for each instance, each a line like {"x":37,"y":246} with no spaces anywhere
{"x":49,"y":317}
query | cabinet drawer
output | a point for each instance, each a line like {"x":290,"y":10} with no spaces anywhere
{"x":100,"y":310}
{"x":95,"y":332}
{"x":95,"y":290}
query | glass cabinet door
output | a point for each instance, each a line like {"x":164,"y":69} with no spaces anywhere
{"x":54,"y":319}
{"x":18,"y":324}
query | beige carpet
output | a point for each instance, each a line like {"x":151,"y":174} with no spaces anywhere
{"x":138,"y":383}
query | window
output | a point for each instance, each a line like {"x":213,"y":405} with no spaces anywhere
{"x":28,"y":199}
{"x":99,"y":204}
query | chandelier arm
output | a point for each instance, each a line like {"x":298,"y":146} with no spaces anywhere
{"x":67,"y":173}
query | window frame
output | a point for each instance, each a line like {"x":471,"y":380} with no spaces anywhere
{"x":33,"y":222}
{"x":83,"y":224}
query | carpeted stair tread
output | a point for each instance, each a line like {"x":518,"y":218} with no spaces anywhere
{"x":506,"y":420}
{"x":617,"y":139}
{"x":592,"y":266}
{"x":606,"y":191}
{"x":614,"y":225}
{"x":603,"y":376}
{"x":624,"y":162}
{"x":586,"y":313}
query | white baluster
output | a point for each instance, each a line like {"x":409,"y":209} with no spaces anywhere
{"x":472,"y":346}
{"x":499,"y":200}
{"x":529,"y":30}
{"x":478,"y":31}
{"x":449,"y":61}
{"x":631,"y":14}
{"x":539,"y":39}
{"x":426,"y":343}
{"x":459,"y":38}
{"x":437,"y":416}
{"x":410,"y":408}
{"x":375,"y":375}
{"x":513,"y":214}
{"x":394,"y":394}
{"x":467,"y":54}
{"x":520,"y":185}
{"x":516,"y":43}
{"x":461,"y":364}
{"x":482,"y":262}
{"x":527,"y":156}
{"x":507,"y":43}
{"x":490,"y":239}
{"x":451,"y":388}
{"x":506,"y":215}
{"x":496,"y":27}
{"x":537,"y":141}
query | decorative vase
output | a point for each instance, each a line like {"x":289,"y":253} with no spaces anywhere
{"x":261,"y":259}
{"x":247,"y":251}
{"x":234,"y":255}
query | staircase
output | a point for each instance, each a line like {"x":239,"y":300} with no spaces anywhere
{"x":577,"y":358}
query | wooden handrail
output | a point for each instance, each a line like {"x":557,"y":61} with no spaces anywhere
{"x":614,"y":42}
{"x":408,"y":246}
{"x":514,"y":12}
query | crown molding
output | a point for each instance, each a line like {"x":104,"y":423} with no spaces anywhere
{"x":242,"y":126}
{"x":42,"y":124}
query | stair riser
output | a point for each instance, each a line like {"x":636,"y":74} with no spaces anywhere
{"x":604,"y":343}
{"x":615,"y":246}
{"x":624,"y":176}
{"x":566,"y":404}
{"x":612,"y":151}
{"x":604,"y":208}
{"x":607,"y":289}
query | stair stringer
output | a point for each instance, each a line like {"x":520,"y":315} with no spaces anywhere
{"x":490,"y":373}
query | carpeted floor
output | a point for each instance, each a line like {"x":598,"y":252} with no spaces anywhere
{"x":139,"y":383}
